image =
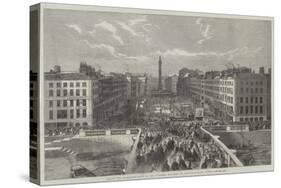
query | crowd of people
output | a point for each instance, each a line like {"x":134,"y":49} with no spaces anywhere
{"x":178,"y":146}
{"x":259,"y":125}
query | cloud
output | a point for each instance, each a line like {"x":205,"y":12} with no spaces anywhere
{"x":228,"y":55}
{"x":75,"y":27}
{"x":206,"y":31}
{"x":109,"y":28}
{"x":139,"y":58}
{"x":129,"y":29}
{"x":103,"y":51}
{"x":138,"y":27}
{"x":241,"y":52}
{"x":176,"y":52}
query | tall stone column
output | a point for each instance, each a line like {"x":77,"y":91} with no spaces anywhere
{"x":160,"y":74}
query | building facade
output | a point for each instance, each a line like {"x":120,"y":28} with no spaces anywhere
{"x":236,"y":97}
{"x":112,"y":95}
{"x":33,"y":98}
{"x":67,"y":100}
{"x":171,"y":84}
{"x":137,"y":85}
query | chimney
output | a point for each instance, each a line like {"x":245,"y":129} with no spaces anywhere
{"x":57,"y":69}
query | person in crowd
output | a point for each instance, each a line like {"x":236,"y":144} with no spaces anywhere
{"x":165,"y":166}
{"x":182,"y":165}
{"x":175,"y":165}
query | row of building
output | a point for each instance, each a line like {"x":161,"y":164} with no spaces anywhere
{"x":83,"y":98}
{"x":232,"y":95}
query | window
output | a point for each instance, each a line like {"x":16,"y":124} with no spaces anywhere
{"x":64,"y":103}
{"x":241,"y":119}
{"x":58,"y":103}
{"x":50,"y":104}
{"x":241,"y":99}
{"x":251,"y":109}
{"x":71,"y":102}
{"x":261,"y":82}
{"x":241,"y":109}
{"x":256,"y":100}
{"x":51,"y":93}
{"x":65,"y":84}
{"x":51,"y":115}
{"x":84,"y":113}
{"x":247,"y":110}
{"x":77,"y":92}
{"x":51,"y":85}
{"x":84,"y":84}
{"x":77,"y":102}
{"x":71,"y":84}
{"x":31,"y":114}
{"x":247,"y":90}
{"x":252,"y":100}
{"x":65,"y":92}
{"x":256,"y":90}
{"x":261,"y":100}
{"x":261,"y":109}
{"x":71,"y":114}
{"x":58,"y":93}
{"x":84,"y":102}
{"x":31,"y":93}
{"x":77,"y":84}
{"x":71,"y":93}
{"x":58,"y":84}
{"x":247,"y":100}
{"x":256,"y":109}
{"x":62,"y":114}
{"x":31,"y":103}
{"x":84,"y":92}
{"x":78,"y":113}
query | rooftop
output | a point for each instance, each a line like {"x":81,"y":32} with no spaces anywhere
{"x":66,"y":76}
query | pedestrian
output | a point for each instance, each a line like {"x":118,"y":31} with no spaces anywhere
{"x":165,"y":166}
{"x":175,"y":165}
{"x":182,"y":165}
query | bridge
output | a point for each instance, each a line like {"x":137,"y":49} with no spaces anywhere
{"x":228,"y":128}
{"x":232,"y":160}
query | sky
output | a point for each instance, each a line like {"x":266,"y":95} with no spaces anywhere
{"x":122,"y":42}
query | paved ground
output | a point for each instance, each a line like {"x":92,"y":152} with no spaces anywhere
{"x":97,"y":151}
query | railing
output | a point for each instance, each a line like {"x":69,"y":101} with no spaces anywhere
{"x":232,"y":160}
{"x":97,"y":132}
{"x":228,"y":128}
